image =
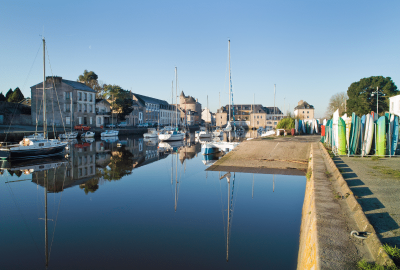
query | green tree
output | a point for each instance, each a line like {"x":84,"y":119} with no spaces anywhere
{"x":9,"y":94}
{"x":120,"y":100}
{"x":2,"y":97}
{"x":17,"y":96}
{"x":91,"y":79}
{"x":362,"y":102}
{"x":337,"y":101}
{"x":286,"y":123}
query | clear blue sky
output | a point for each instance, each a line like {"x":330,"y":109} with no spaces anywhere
{"x":311,"y":50}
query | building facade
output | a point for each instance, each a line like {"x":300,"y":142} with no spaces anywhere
{"x":394,"y":105}
{"x":155,"y":111}
{"x":190,"y":106}
{"x":304,"y":111}
{"x":103,"y":112}
{"x":67,"y":103}
{"x":250,"y":116}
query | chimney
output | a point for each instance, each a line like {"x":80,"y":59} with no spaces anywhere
{"x":300,"y":102}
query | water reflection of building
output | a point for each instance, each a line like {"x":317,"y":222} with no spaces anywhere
{"x":189,"y":152}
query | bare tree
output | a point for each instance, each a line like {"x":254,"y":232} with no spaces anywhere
{"x":337,"y":101}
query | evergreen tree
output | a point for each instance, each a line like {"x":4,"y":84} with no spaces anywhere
{"x":2,"y":97}
{"x":17,"y":96}
{"x":362,"y":102}
{"x":9,"y":94}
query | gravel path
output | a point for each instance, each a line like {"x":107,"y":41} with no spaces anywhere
{"x":376,"y":185}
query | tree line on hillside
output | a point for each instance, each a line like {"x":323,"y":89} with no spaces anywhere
{"x":120,"y":99}
{"x":12,"y":96}
{"x":363,"y":97}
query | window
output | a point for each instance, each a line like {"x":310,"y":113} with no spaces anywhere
{"x":99,"y":120}
{"x":79,"y":95}
{"x":79,"y":120}
{"x":85,"y":95}
{"x":91,"y":120}
{"x":85,"y":106}
{"x":67,"y":120}
{"x":308,"y":116}
{"x":308,"y":112}
{"x":91,"y":97}
{"x":79,"y":107}
{"x":67,"y":95}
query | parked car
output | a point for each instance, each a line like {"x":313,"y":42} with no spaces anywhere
{"x":122,"y":124}
{"x":110,"y":126}
{"x":82,"y":127}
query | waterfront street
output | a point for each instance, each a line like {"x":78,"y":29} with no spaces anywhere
{"x":376,"y":183}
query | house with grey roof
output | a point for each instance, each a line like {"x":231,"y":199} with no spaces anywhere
{"x":303,"y":110}
{"x":250,"y":116}
{"x":153,"y":110}
{"x":67,"y":103}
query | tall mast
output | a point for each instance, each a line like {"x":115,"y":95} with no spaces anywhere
{"x":44,"y":92}
{"x":172,"y":98}
{"x":274,"y":99}
{"x":229,"y":59}
{"x":176,"y":96}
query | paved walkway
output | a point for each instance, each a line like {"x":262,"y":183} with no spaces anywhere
{"x":275,"y":155}
{"x":376,"y":185}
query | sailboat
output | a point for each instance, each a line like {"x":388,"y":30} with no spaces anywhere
{"x":36,"y":147}
{"x":71,"y":134}
{"x":173,"y":135}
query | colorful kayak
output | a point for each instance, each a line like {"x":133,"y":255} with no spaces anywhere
{"x":395,"y":133}
{"x":381,"y":136}
{"x":342,"y":137}
{"x":348,"y":129}
{"x":354,"y":134}
{"x":368,"y":135}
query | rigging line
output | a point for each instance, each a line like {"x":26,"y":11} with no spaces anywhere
{"x":23,"y":219}
{"x":55,"y":91}
{"x":40,"y":45}
{"x":22,"y":87}
{"x":58,"y":210}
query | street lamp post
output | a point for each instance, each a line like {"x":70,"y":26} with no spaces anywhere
{"x":377,"y":97}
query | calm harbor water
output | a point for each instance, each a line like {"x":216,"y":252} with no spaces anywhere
{"x":145,"y":205}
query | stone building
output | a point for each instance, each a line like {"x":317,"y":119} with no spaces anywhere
{"x":67,"y":103}
{"x":303,"y":110}
{"x":103,"y":112}
{"x":153,"y":110}
{"x":190,"y":104}
{"x":250,"y":116}
{"x":133,"y":118}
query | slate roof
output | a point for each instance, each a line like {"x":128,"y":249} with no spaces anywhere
{"x":143,"y":99}
{"x":78,"y":85}
{"x":304,"y":105}
{"x":257,"y":108}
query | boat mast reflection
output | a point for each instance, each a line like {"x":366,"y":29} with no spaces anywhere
{"x":228,"y":177}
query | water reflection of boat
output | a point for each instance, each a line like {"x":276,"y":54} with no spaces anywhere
{"x":82,"y":145}
{"x":110,"y":139}
{"x":167,"y":146}
{"x":151,"y":141}
{"x":88,"y":140}
{"x":209,"y":160}
{"x":30,"y":166}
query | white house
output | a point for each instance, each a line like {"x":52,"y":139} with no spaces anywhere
{"x":394,"y":106}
